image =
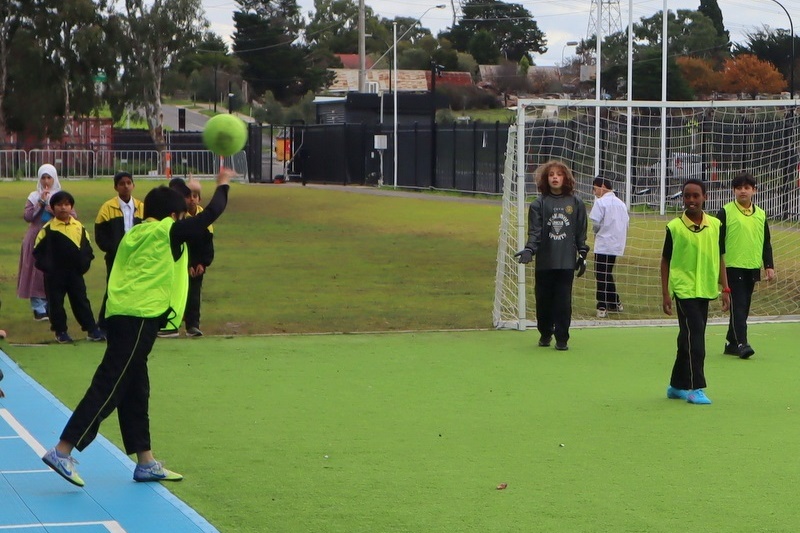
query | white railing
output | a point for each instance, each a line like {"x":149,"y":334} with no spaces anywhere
{"x":21,"y":164}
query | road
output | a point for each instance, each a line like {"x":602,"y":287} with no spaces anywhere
{"x":194,"y":121}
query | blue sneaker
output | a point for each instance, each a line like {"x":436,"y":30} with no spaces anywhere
{"x":155,"y":472}
{"x":63,"y":337}
{"x":96,"y":335}
{"x":63,"y":466}
{"x":677,"y":394}
{"x":698,"y":397}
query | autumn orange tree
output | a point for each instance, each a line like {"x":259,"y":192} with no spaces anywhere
{"x":747,"y":74}
{"x":700,"y":75}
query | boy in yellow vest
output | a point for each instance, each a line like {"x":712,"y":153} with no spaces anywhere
{"x":691,"y":266}
{"x":147,"y":287}
{"x":747,"y":247}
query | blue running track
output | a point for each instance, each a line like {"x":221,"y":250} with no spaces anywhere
{"x":35,"y":499}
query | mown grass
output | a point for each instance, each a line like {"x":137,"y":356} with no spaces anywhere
{"x":312,"y":259}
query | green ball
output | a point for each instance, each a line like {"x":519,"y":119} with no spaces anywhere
{"x":225,"y":134}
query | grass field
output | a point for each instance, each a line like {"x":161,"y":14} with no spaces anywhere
{"x":413,"y":432}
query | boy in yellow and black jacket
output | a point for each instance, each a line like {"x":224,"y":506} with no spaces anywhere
{"x":114,"y":219}
{"x":63,"y":252}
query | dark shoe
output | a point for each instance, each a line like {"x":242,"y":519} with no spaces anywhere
{"x":168,"y":334}
{"x":545,"y":341}
{"x":562,"y":346}
{"x":39,"y":317}
{"x":63,"y":337}
{"x":193,"y":332}
{"x":731,"y":349}
{"x":745,"y":351}
{"x":96,"y":335}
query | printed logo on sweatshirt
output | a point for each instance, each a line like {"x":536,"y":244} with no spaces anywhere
{"x":558,"y":222}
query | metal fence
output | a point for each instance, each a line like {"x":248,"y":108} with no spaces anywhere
{"x":22,"y":164}
{"x":469,"y":157}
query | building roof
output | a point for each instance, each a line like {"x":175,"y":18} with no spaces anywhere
{"x":351,"y":60}
{"x":346,"y":80}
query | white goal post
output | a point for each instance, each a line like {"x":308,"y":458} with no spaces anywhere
{"x":647,"y":150}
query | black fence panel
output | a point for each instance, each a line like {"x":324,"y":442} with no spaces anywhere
{"x":469,"y":157}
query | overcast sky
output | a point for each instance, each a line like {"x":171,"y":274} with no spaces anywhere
{"x":560,"y":20}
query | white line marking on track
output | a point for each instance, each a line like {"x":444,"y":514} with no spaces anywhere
{"x":22,"y":432}
{"x":111,"y":526}
{"x":47,"y":470}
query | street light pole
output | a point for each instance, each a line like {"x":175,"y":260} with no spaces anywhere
{"x":394,"y":104}
{"x":791,"y":66}
{"x":568,"y":43}
{"x":394,"y":75}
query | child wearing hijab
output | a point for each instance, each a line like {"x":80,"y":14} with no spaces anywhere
{"x":30,"y":280}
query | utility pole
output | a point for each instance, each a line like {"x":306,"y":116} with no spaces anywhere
{"x":362,"y":48}
{"x":434,"y":73}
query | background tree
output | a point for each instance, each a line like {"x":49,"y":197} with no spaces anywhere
{"x":273,"y":59}
{"x":748,"y":74}
{"x":647,"y":77}
{"x":334,"y":25}
{"x":53,"y":54}
{"x":690,"y":33}
{"x":10,"y":13}
{"x":157,"y":34}
{"x":204,"y":69}
{"x":700,"y":75}
{"x":773,"y":46}
{"x":511,"y":26}
{"x":483,"y":48}
{"x":710,"y":8}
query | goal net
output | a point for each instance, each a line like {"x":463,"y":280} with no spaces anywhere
{"x":648,"y":150}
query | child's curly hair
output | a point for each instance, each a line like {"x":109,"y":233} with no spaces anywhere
{"x":544,"y":185}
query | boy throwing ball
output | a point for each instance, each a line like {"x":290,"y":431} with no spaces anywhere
{"x":147,"y":286}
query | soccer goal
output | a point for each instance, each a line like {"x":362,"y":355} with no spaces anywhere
{"x":648,"y":150}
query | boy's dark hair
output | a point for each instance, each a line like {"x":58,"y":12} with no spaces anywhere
{"x":696,"y":181}
{"x":121,"y":174}
{"x":59,"y":197}
{"x":600,"y":181}
{"x":743,"y":178}
{"x":177,"y":184}
{"x":162,"y":201}
{"x":543,"y":184}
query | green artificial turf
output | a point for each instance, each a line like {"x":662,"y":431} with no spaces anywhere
{"x":413,"y":432}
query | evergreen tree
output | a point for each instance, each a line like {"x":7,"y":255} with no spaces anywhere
{"x":266,"y":41}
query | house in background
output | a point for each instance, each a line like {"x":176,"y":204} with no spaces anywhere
{"x":375,"y":106}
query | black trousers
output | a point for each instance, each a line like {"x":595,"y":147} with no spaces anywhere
{"x":70,"y":284}
{"x":120,"y":382}
{"x":192,"y":313}
{"x":554,"y":302}
{"x":742,"y":283}
{"x":688,"y":373}
{"x":607,"y":297}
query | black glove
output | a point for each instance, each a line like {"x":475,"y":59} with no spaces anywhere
{"x":580,"y":265}
{"x":525,"y":256}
